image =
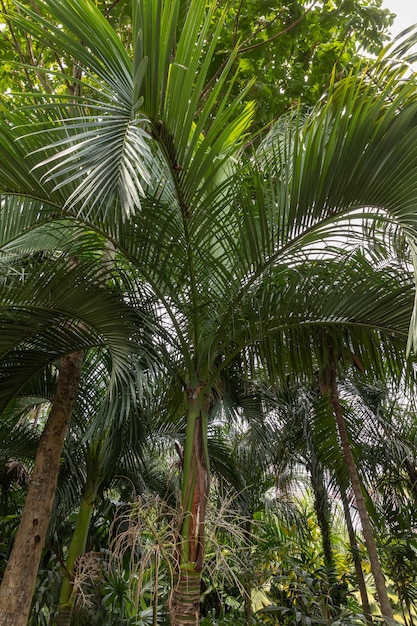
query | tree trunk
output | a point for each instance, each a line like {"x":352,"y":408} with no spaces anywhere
{"x":19,"y":580}
{"x":329,"y":383}
{"x":247,"y":603}
{"x":185,"y":598}
{"x":248,"y":573}
{"x":184,"y":602}
{"x":323,"y":512}
{"x":356,"y":559}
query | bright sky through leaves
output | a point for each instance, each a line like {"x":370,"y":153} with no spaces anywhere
{"x":406,"y":12}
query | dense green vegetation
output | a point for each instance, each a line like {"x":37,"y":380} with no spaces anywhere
{"x":207,"y":311}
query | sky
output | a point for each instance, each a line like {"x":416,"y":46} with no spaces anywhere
{"x":406,"y":11}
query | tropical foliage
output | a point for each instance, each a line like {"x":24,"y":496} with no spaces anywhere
{"x":208,"y":303}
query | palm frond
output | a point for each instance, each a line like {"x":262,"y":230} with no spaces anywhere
{"x":100,"y":142}
{"x":58,"y":310}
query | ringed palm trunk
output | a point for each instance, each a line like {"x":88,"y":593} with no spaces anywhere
{"x":329,"y":386}
{"x":19,"y":580}
{"x":185,"y":597}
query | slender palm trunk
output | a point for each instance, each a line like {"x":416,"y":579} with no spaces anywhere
{"x":19,"y":580}
{"x":329,"y":383}
{"x":76,"y":549}
{"x":323,"y":513}
{"x":185,"y":596}
{"x":356,"y":559}
{"x":248,"y":577}
{"x":155,"y":594}
{"x":247,"y":602}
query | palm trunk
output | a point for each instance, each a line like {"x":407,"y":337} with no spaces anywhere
{"x":76,"y":549}
{"x":19,"y":580}
{"x":155,"y":594}
{"x":247,"y":574}
{"x":356,"y":559}
{"x":329,"y":383}
{"x":185,"y":596}
{"x":323,"y":513}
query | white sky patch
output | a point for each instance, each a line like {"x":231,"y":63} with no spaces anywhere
{"x":406,"y":12}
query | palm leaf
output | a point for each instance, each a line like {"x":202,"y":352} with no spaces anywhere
{"x":56,"y":311}
{"x":105,"y":146}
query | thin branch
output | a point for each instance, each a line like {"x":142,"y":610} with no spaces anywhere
{"x":236,"y":24}
{"x":282,"y":32}
{"x":15,"y":41}
{"x":110,"y":8}
{"x":245,"y":48}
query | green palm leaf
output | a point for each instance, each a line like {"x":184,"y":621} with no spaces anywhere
{"x":57,"y":310}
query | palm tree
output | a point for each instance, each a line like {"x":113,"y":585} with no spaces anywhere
{"x":357,"y":294}
{"x":52,"y":315}
{"x":388,"y":467}
{"x":103,"y":451}
{"x":152,"y":162}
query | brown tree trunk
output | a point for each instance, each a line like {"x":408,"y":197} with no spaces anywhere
{"x":19,"y":580}
{"x":329,"y":384}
